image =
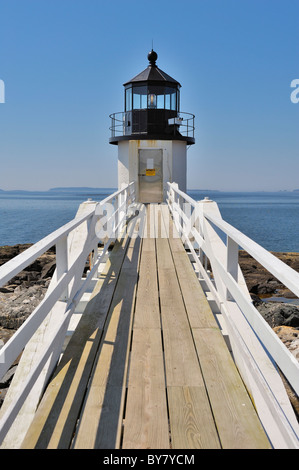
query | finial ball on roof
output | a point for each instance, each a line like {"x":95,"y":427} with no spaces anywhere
{"x":152,"y":57}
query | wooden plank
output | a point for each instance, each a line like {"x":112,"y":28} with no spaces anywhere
{"x":237,"y":422}
{"x":56,"y":417}
{"x":197,"y":306}
{"x":101,"y":418}
{"x":184,"y":317}
{"x":147,"y":312}
{"x":146,"y":419}
{"x":191,"y":419}
{"x":181,"y":361}
{"x":160,"y":229}
{"x":149,"y":229}
{"x":229,"y":398}
{"x":198,"y":309}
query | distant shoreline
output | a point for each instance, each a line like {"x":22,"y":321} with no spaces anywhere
{"x":70,"y":189}
{"x":92,"y":189}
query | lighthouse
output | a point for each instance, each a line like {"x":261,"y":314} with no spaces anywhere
{"x":152,"y":134}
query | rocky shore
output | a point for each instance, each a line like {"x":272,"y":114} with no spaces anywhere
{"x":20,"y":296}
{"x":24,"y":292}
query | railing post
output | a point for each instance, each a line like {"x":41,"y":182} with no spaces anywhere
{"x":122,"y":200}
{"x":183,"y":225}
{"x":116,"y":217}
{"x":232,"y":258}
{"x":188,"y":219}
{"x":62,"y":263}
{"x":175,"y":206}
{"x":198,"y":228}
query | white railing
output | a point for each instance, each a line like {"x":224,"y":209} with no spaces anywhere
{"x":100,"y":221}
{"x":209,"y":238}
{"x":214,"y":245}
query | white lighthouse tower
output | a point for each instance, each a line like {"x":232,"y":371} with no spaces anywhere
{"x":152,"y":134}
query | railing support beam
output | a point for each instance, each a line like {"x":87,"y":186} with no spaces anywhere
{"x":258,"y":344}
{"x":62,"y":263}
{"x":232,"y":261}
{"x":41,"y":336}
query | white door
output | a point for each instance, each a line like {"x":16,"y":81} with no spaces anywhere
{"x":150,"y":175}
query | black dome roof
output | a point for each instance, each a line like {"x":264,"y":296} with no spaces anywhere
{"x":153,"y":74}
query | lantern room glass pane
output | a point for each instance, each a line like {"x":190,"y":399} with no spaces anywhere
{"x":160,"y":101}
{"x":136,"y":101}
{"x":171,"y":98}
{"x":128,"y":99}
{"x":143,"y":101}
{"x":139,"y":97}
{"x":152,"y":97}
{"x":167,"y":101}
{"x":173,"y":101}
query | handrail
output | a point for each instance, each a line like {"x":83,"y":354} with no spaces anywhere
{"x":118,"y":126}
{"x":17,"y":264}
{"x":64,"y":276}
{"x":21,"y":261}
{"x":288,"y":276}
{"x":198,"y":224}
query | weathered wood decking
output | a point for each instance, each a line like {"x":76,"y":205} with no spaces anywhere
{"x":147,"y":366}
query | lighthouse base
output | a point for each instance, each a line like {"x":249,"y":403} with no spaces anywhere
{"x":152,"y":164}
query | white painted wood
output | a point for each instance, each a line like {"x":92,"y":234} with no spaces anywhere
{"x":174,"y":161}
{"x":223,"y":267}
{"x":44,"y":332}
{"x":232,"y":258}
{"x":38,"y":361}
{"x":288,"y":276}
{"x":62,"y":263}
{"x":201,"y":226}
{"x":254,"y":342}
{"x":269,"y":396}
{"x":20,"y":262}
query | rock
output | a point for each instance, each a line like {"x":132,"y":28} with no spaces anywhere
{"x":8,"y":252}
{"x":260,"y":281}
{"x":6,"y":290}
{"x":5,"y":381}
{"x":290,"y":337}
{"x":279,"y":313}
{"x":2,"y":395}
{"x":17,"y":307}
{"x":22,"y":294}
{"x":48,"y":270}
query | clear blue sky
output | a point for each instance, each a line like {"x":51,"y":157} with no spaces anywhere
{"x":64,"y":63}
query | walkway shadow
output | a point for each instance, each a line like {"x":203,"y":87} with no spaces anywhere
{"x":110,"y":419}
{"x":56,"y":418}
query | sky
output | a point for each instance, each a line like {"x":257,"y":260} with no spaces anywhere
{"x":63,"y":64}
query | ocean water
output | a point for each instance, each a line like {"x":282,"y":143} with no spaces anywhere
{"x":26,"y":217}
{"x":270,"y":219}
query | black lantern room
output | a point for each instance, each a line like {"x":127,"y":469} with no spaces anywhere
{"x":152,"y":109}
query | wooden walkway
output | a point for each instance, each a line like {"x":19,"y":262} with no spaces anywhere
{"x":147,"y":366}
